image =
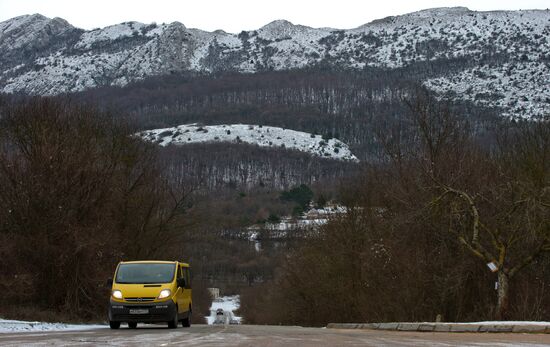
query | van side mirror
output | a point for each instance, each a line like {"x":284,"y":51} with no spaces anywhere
{"x":109,"y":282}
{"x":181,"y":282}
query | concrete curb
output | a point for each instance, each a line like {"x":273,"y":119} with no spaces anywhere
{"x":447,"y":327}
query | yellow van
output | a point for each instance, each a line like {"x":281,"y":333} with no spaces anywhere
{"x":151,"y":292}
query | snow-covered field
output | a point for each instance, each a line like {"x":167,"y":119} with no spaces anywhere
{"x":229,"y":304}
{"x":11,"y":326}
{"x":264,"y":136}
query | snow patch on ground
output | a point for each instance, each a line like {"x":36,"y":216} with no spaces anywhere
{"x":11,"y":326}
{"x":264,"y":136}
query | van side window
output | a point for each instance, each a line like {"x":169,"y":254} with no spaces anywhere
{"x":187,"y":276}
{"x":180,"y":271}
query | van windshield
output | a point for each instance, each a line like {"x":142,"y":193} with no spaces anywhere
{"x":145,"y":273}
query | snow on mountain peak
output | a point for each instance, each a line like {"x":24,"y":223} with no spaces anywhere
{"x":29,"y":23}
{"x":420,"y":17}
{"x":278,"y":24}
{"x":110,"y":33}
{"x":440,"y":11}
{"x":277,"y":29}
{"x":283,"y":29}
{"x":26,"y":18}
{"x":177,"y":24}
{"x":30,"y":30}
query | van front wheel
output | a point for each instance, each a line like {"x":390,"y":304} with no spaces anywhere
{"x":174,"y":322}
{"x":114,"y":325}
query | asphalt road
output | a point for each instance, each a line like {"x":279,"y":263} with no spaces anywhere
{"x":255,"y":335}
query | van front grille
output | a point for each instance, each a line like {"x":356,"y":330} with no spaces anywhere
{"x":144,"y":299}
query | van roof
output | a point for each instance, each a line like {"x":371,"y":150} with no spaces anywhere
{"x":152,"y":262}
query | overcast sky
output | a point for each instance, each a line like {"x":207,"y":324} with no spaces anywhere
{"x":237,"y":15}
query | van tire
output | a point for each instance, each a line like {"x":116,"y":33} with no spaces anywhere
{"x":186,"y":322}
{"x":132,"y":325}
{"x":114,"y":325}
{"x":173,"y":324}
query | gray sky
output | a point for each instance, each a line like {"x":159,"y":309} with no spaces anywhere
{"x":237,"y":15}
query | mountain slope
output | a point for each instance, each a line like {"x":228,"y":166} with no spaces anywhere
{"x":66,"y":59}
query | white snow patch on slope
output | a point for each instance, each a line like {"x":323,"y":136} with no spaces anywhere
{"x":11,"y":326}
{"x":264,"y":136}
{"x":84,"y":73}
{"x":522,"y":89}
{"x":205,"y":40}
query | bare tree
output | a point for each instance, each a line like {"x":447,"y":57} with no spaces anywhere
{"x":499,"y":215}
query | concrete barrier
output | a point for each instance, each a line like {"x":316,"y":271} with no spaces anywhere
{"x":448,"y":327}
{"x":426,"y":327}
{"x":408,"y":326}
{"x":388,"y":326}
{"x":530,"y":329}
{"x":496,"y":328}
{"x":442,"y":328}
{"x":464,"y":328}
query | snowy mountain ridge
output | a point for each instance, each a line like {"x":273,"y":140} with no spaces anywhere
{"x":49,"y":56}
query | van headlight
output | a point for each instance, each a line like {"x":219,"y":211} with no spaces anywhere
{"x":117,"y":294}
{"x":164,"y":293}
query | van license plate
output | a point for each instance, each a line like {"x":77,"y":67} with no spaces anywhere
{"x":139,"y":311}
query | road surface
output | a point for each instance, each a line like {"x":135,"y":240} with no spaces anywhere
{"x":255,"y":335}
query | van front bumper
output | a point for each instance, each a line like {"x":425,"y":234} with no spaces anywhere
{"x":142,"y":312}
